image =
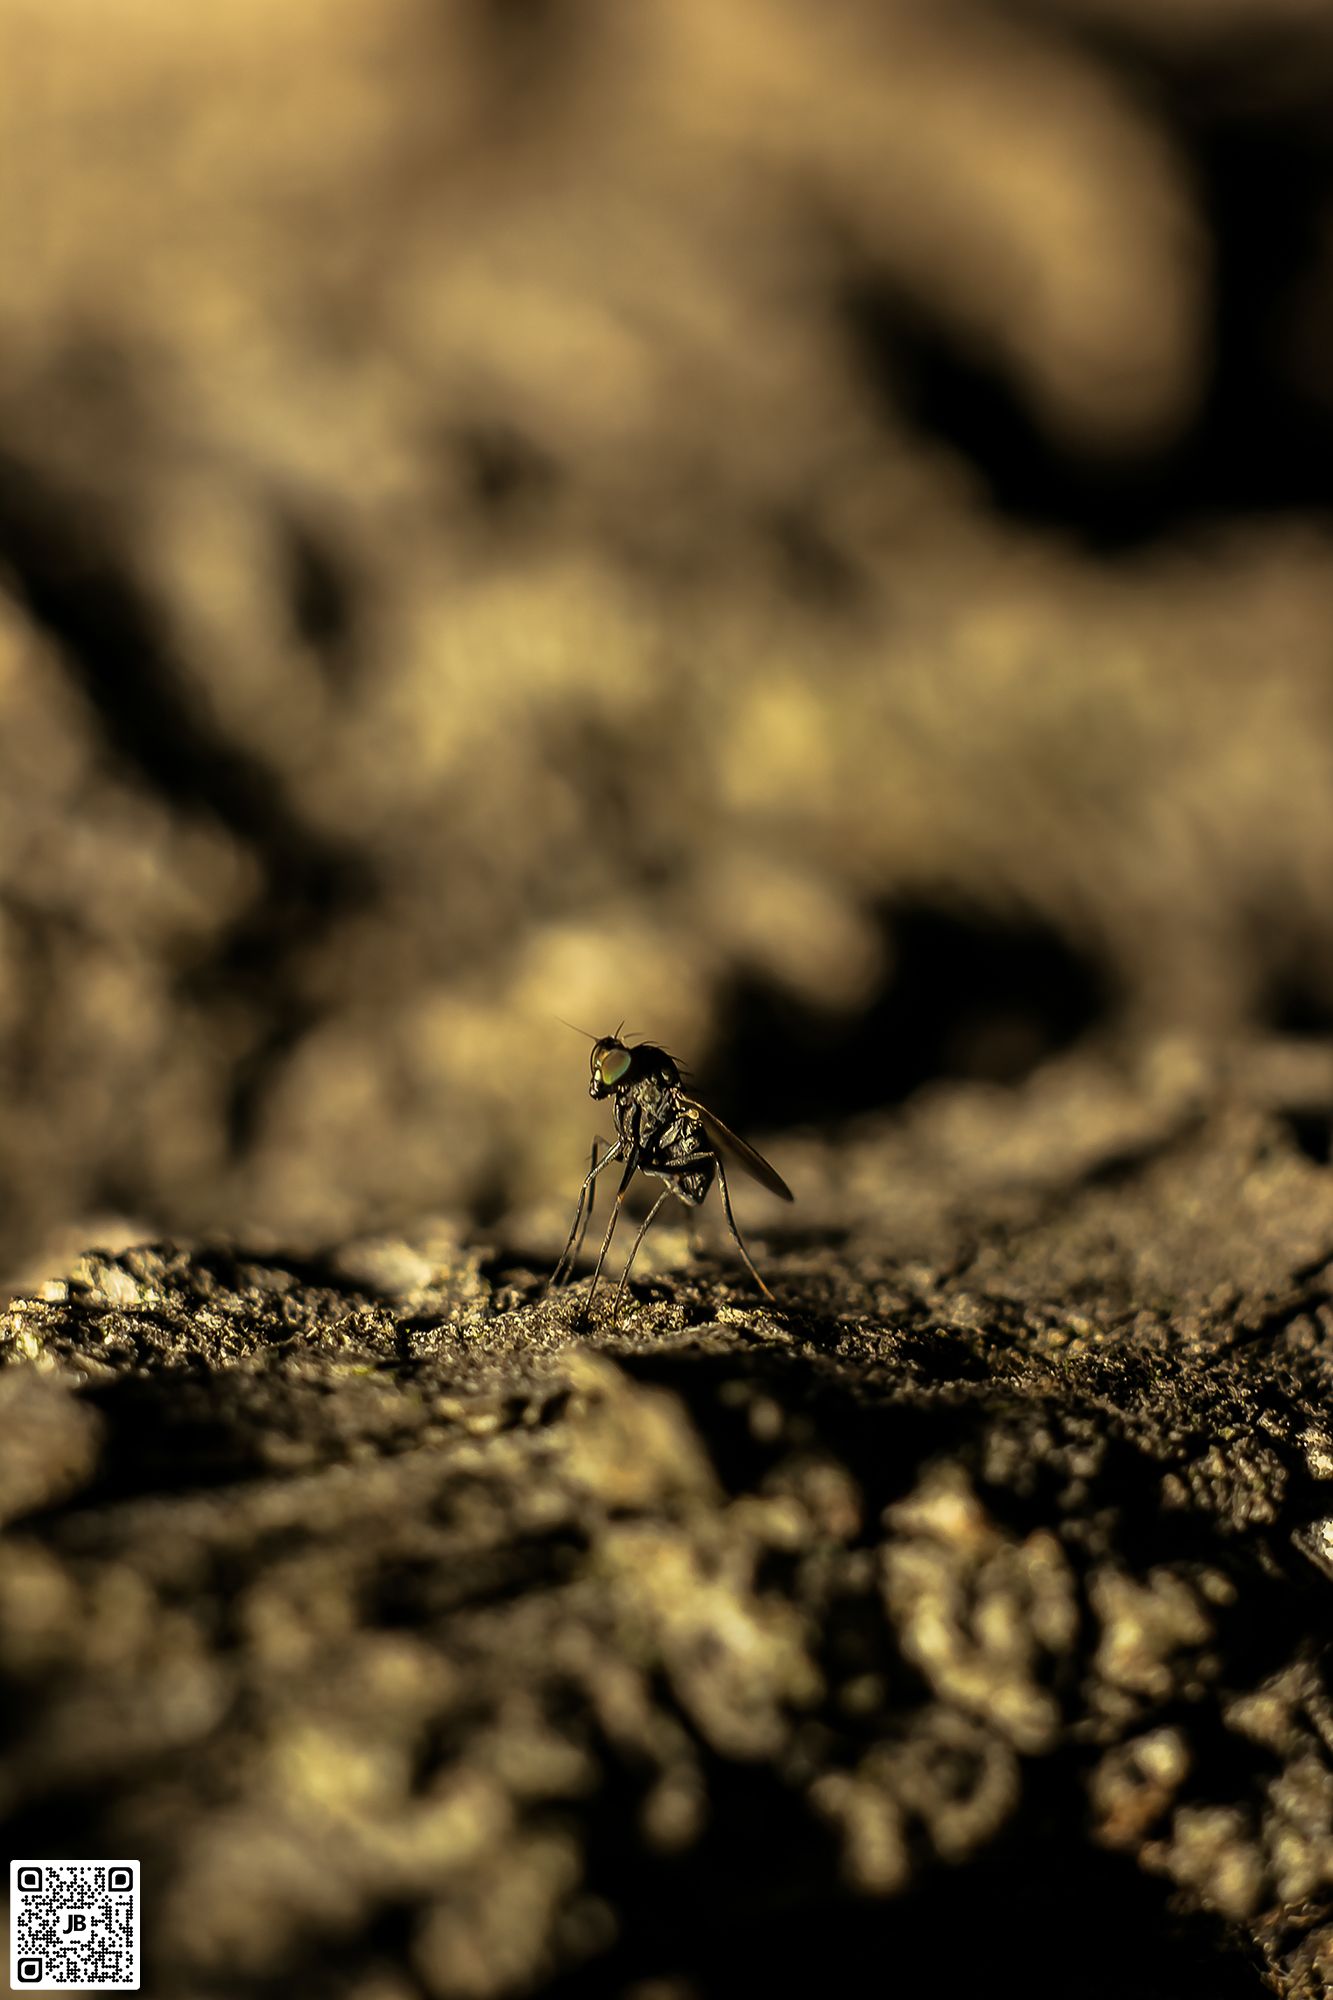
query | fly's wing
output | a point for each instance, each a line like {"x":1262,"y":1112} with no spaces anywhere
{"x":727,"y":1141}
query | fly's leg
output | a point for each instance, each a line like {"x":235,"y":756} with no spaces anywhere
{"x":631,"y":1168}
{"x":592,"y":1197}
{"x":582,"y":1216}
{"x":643,"y":1231}
{"x":740,"y":1240}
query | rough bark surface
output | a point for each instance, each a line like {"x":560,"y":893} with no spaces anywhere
{"x":963,"y":1618}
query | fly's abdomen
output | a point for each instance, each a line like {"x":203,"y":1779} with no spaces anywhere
{"x":691,"y":1184}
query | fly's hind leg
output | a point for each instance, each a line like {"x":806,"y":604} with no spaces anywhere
{"x":634,"y":1251}
{"x":692,"y":1199}
{"x":740,"y":1240}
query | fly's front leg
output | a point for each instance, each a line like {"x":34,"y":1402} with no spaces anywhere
{"x":631,"y":1168}
{"x":582,"y":1215}
{"x":611,"y":1153}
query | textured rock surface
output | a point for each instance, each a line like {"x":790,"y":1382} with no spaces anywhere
{"x":965,"y":1616}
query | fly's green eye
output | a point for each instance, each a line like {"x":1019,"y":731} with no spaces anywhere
{"x":613,"y":1065}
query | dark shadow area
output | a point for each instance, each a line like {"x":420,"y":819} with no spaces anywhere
{"x":1299,"y":1004}
{"x":503,"y":477}
{"x":1258,"y":440}
{"x":967,"y":996}
{"x":1036,"y":1913}
{"x":320,"y":594}
{"x":1312,"y":1134}
{"x":169,"y":1436}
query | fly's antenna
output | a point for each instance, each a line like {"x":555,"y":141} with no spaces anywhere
{"x":578,"y":1031}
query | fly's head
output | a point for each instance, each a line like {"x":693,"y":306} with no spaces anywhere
{"x":616,"y":1067}
{"x":611,"y":1062}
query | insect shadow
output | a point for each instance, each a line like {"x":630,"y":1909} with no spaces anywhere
{"x":663,"y":1132}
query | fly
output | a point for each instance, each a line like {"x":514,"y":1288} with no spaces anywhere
{"x":662,"y":1131}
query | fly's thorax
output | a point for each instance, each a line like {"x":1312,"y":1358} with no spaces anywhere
{"x":637,"y":1110}
{"x":654,"y":1096}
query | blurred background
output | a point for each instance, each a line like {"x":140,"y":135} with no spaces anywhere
{"x":802,"y":529}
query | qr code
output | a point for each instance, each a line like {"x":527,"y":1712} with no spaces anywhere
{"x":74,"y":1924}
